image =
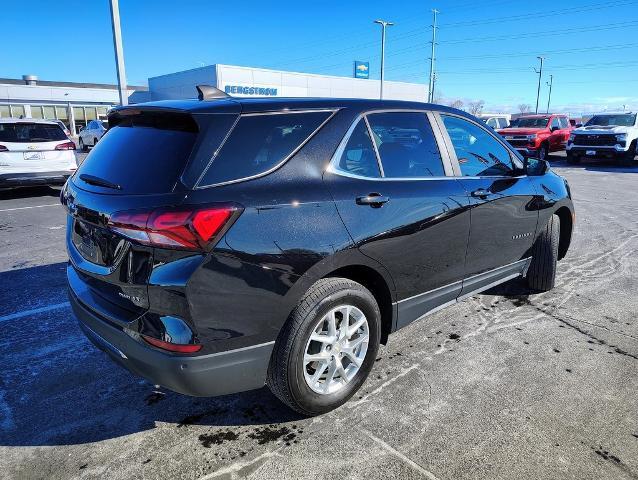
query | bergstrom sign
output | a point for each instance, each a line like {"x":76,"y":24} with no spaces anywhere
{"x":242,"y":90}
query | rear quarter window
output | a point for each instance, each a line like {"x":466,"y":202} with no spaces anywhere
{"x":259,"y":143}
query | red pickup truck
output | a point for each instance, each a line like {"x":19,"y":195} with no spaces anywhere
{"x":537,"y":135}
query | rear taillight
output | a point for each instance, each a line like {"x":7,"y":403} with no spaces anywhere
{"x":3,"y":148}
{"x":65,"y":146}
{"x":190,"y":228}
{"x":173,"y":347}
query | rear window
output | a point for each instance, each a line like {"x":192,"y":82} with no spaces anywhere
{"x":260,"y":143}
{"x":30,"y":132}
{"x":143,"y":152}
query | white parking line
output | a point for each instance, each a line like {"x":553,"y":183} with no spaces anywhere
{"x":26,"y":313}
{"x":26,"y":208}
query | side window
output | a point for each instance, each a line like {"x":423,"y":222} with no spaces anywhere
{"x":492,"y":122}
{"x":358,"y":156}
{"x":260,"y":143}
{"x":406,"y":145}
{"x":479,"y":153}
{"x":555,"y":123}
{"x":564,"y":123}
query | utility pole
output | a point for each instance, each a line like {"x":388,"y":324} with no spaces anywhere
{"x":119,"y":53}
{"x":549,"y":98}
{"x":432,"y":72}
{"x":540,"y":76}
{"x":383,"y":24}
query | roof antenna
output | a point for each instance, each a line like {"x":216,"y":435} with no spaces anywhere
{"x":208,"y":92}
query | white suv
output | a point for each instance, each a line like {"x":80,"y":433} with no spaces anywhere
{"x":605,"y":135}
{"x":90,"y":135}
{"x":34,"y":152}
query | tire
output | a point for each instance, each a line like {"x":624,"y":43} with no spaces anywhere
{"x":628,"y":159}
{"x":572,"y":159}
{"x":541,"y":274}
{"x":95,"y":141}
{"x":543,"y":152}
{"x":289,"y":375}
{"x":81,"y":146}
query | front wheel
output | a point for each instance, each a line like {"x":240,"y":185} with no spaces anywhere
{"x":628,"y":158}
{"x":327,"y":347}
{"x":82,"y":146}
{"x":543,"y":151}
{"x":541,"y":274}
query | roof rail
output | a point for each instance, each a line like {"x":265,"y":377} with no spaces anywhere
{"x":208,"y":92}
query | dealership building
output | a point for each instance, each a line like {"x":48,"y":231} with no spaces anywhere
{"x":259,"y":82}
{"x":75,"y":104}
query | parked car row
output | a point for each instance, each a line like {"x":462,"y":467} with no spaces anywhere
{"x":605,"y":136}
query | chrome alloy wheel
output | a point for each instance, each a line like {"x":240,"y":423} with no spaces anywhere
{"x":336,"y":349}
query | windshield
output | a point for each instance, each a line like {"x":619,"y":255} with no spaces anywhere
{"x":620,"y":120}
{"x":30,"y":132}
{"x":530,"y":122}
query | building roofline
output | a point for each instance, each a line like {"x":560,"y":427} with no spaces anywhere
{"x":49,"y":83}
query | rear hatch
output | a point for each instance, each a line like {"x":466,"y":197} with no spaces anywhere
{"x":31,"y":147}
{"x":135,"y":167}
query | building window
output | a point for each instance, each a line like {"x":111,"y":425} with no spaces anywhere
{"x":17,"y":111}
{"x":101,"y":111}
{"x":36,"y":111}
{"x":49,"y":112}
{"x":61,"y":113}
{"x":90,"y":113}
{"x":5,"y":111}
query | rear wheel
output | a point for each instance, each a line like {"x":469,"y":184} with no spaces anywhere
{"x":541,"y":274}
{"x":327,"y":348}
{"x":81,"y":145}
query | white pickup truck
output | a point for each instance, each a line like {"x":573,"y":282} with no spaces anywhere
{"x":605,"y":136}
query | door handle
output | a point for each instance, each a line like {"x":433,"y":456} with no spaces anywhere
{"x":375,"y":200}
{"x":481,"y":193}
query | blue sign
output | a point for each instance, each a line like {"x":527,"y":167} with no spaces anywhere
{"x":259,"y":91}
{"x":361,"y":69}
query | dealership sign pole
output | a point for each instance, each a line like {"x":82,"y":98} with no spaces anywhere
{"x":119,"y":53}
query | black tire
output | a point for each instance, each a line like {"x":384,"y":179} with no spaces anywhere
{"x":95,"y":141}
{"x":81,"y":146}
{"x":572,"y":159}
{"x":628,"y":159}
{"x":541,"y":274}
{"x":286,"y":370}
{"x":543,"y":152}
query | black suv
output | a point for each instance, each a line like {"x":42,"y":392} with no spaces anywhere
{"x":222,"y":244}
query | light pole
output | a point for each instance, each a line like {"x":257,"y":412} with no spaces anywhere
{"x":540,"y":75}
{"x":432,"y":73}
{"x":383,"y":24}
{"x":119,"y":53}
{"x":549,"y":97}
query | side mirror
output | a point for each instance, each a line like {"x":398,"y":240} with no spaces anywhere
{"x":578,"y":125}
{"x":535,"y":167}
{"x":554,"y":128}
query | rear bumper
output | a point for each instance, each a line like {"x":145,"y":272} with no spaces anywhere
{"x":8,"y":180}
{"x":201,"y":376}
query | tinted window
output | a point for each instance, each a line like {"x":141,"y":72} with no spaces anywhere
{"x":406,"y":145}
{"x":530,"y":122}
{"x":478,"y":152}
{"x":30,"y":132}
{"x":621,"y":119}
{"x":358,"y":156}
{"x":144,"y":152}
{"x":259,"y":143}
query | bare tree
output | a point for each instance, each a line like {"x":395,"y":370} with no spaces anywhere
{"x":524,"y":108}
{"x":458,"y":103}
{"x":475,"y":108}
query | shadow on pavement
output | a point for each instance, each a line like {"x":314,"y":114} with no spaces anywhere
{"x":56,"y":388}
{"x":30,"y":192}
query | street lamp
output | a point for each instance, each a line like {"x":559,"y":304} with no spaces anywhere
{"x":383,"y":24}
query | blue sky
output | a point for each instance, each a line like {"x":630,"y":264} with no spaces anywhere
{"x":487,"y":49}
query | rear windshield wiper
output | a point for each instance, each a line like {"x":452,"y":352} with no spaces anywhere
{"x":100,"y":182}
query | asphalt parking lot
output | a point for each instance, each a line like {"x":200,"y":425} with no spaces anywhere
{"x":502,"y":385}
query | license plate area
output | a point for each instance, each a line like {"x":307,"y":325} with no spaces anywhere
{"x":97,"y":244}
{"x":590,"y":152}
{"x":33,"y":155}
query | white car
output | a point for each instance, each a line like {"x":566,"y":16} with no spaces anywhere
{"x":605,"y":136}
{"x":91,"y":134}
{"x":34,"y":152}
